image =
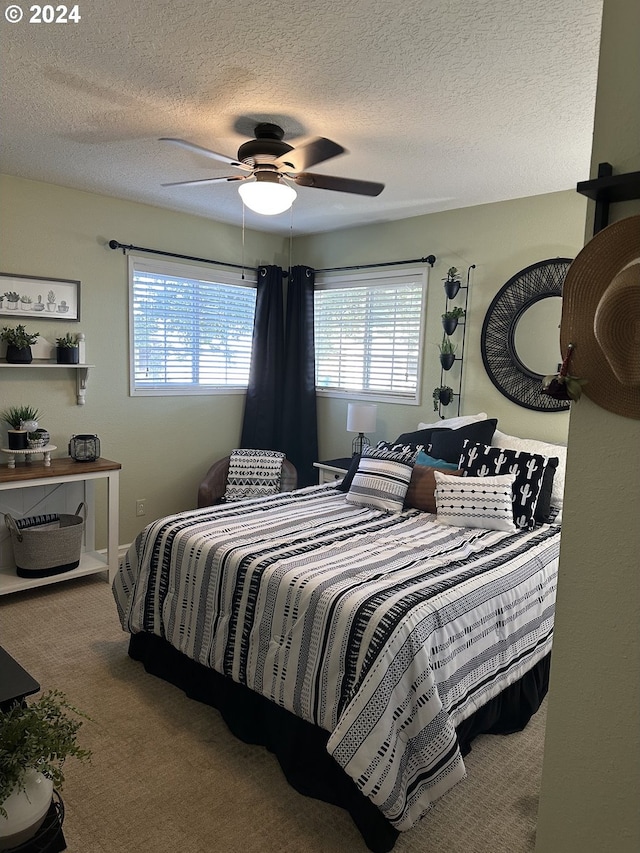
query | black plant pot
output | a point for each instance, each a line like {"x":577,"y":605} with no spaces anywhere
{"x":18,"y":439}
{"x":19,"y":355}
{"x":450,"y":324}
{"x":447,"y":359}
{"x":67,"y":355}
{"x":451,"y":288}
{"x":445,"y":397}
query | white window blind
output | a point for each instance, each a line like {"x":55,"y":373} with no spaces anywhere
{"x":191,"y":329}
{"x":369,"y":334}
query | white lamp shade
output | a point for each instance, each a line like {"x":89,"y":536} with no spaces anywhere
{"x":361,"y":417}
{"x":267,"y":197}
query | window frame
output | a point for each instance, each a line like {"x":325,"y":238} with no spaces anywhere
{"x":248,"y":278}
{"x":334,"y":281}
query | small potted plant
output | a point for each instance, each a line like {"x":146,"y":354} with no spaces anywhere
{"x":447,"y":353}
{"x":39,"y":305}
{"x":18,"y":342}
{"x":26,"y":303}
{"x":451,"y":318}
{"x":452,"y":283}
{"x":13,"y":299}
{"x":16,"y":417}
{"x":442,"y":395}
{"x":35,"y":741}
{"x":51,"y":301}
{"x":63,"y":307}
{"x":67,"y":349}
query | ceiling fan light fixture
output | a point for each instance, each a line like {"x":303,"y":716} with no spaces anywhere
{"x":267,"y":194}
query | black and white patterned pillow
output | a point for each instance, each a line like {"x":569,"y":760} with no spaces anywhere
{"x":253,"y":474}
{"x":484,"y":502}
{"x":382,"y":479}
{"x":406,"y":448}
{"x":481,"y":460}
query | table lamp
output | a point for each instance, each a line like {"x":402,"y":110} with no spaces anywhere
{"x":361,"y":418}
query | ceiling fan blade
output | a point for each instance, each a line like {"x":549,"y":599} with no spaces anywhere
{"x":343,"y":185}
{"x":206,"y":181}
{"x":198,"y":149}
{"x":309,"y":154}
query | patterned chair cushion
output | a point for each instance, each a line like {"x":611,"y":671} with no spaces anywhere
{"x":253,"y":474}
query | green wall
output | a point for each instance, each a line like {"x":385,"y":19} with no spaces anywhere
{"x":500,"y":239}
{"x":590,"y":797}
{"x":165,"y":444}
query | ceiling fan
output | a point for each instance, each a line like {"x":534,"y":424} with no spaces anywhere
{"x":270,"y":164}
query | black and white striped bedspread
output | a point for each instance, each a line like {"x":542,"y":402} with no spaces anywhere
{"x":385,"y":630}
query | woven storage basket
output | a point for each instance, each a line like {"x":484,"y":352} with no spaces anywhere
{"x":45,"y":545}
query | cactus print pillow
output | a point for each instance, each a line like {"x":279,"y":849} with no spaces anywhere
{"x":481,"y":460}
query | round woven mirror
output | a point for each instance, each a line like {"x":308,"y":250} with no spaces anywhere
{"x":520,"y":340}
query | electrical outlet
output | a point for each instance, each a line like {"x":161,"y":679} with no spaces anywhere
{"x":141,"y":506}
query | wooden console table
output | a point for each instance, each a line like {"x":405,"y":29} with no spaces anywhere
{"x":68,"y":471}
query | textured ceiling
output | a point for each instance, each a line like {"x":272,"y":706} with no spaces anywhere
{"x":449,"y":104}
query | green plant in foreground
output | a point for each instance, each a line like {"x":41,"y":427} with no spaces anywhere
{"x":14,"y":415}
{"x":39,"y":735}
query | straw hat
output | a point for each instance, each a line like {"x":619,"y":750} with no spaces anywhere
{"x":601,"y":317}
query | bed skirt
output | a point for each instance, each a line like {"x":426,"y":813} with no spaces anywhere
{"x":300,"y":747}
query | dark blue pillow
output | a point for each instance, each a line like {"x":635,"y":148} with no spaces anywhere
{"x":447,"y":444}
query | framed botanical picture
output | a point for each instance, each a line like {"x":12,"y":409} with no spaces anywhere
{"x":31,"y":297}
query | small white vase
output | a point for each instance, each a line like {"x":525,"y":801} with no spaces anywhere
{"x":26,"y":810}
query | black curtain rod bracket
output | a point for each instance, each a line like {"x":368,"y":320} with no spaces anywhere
{"x":114,"y":244}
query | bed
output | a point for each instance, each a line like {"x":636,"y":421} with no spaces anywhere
{"x":364,"y":646}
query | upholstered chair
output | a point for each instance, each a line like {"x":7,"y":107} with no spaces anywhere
{"x":214,"y":484}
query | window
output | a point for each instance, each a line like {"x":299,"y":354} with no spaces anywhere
{"x":369,"y":333}
{"x":191,"y":329}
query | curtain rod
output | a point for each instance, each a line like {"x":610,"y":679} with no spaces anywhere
{"x":430,"y":259}
{"x":114,"y":244}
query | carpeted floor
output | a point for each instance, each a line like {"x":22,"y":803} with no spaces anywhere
{"x":168,"y":776}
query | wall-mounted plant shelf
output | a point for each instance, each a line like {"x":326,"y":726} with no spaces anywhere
{"x":608,"y":189}
{"x":460,"y":333}
{"x":82,"y":373}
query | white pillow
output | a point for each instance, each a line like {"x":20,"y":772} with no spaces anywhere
{"x":484,"y":502}
{"x":531,"y":445}
{"x":454,"y":423}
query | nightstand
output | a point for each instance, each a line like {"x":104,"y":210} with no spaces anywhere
{"x":332,"y":470}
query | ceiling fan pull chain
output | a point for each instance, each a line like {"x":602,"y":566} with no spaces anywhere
{"x":242,"y":258}
{"x":290,"y":236}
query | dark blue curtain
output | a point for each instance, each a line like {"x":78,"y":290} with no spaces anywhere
{"x":299,"y":421}
{"x":262,"y":426}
